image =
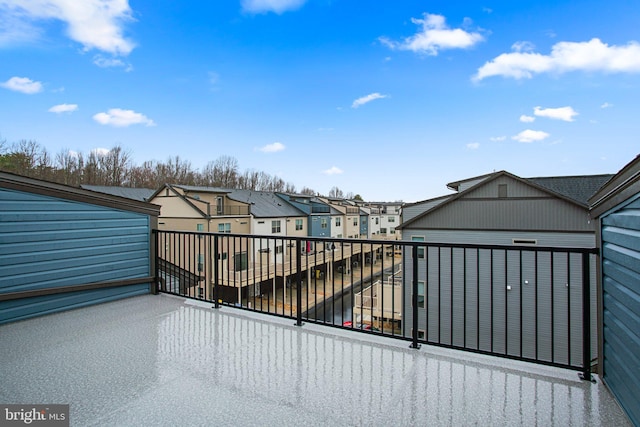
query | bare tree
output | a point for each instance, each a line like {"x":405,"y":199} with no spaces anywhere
{"x":336,"y":193}
{"x":115,"y":166}
{"x":308,"y":191}
{"x":225,"y":172}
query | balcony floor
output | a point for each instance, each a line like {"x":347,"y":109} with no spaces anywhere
{"x":161,"y":360}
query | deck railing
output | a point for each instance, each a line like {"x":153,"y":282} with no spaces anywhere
{"x":520,"y":302}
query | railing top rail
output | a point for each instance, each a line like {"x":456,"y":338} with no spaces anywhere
{"x":403,"y":243}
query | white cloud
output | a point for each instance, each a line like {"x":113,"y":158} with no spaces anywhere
{"x":272,"y":148}
{"x":523,"y":46}
{"x":473,"y":145}
{"x":276,"y":6}
{"x":333,"y":170}
{"x":526,"y":119}
{"x":103,"y":62}
{"x":498,"y":138}
{"x":606,"y":105}
{"x":565,"y":57}
{"x":434,"y":36}
{"x":562,"y":113}
{"x":365,"y":99}
{"x":22,"y":84}
{"x":96,"y":24}
{"x":63,"y":108}
{"x":530,"y":136}
{"x":122,"y":118}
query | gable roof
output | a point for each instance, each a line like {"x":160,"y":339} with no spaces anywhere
{"x":571,"y":189}
{"x":140,"y":194}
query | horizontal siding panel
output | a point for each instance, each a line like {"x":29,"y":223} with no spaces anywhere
{"x":11,"y":311}
{"x":43,"y":259}
{"x":626,"y":238}
{"x":52,"y":215}
{"x":629,"y":219}
{"x":623,"y":256}
{"x":50,"y":236}
{"x":36,"y":248}
{"x":59,"y":224}
{"x":58,"y":259}
{"x":95,"y":269}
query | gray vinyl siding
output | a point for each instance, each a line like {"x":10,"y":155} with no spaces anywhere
{"x":411,"y":211}
{"x":621,"y":304}
{"x":508,"y":214}
{"x":468,"y":303}
{"x":48,"y":242}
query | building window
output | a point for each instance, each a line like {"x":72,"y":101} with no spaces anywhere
{"x":219,"y":206}
{"x":338,"y":222}
{"x":421,"y":293}
{"x":275,"y":226}
{"x":323,"y":222}
{"x":502,"y":190}
{"x":383,"y":230}
{"x":392,"y":219}
{"x":225,"y":227}
{"x":240,"y":261}
{"x":298,"y":224}
{"x":199,"y":227}
{"x":279,"y":249}
{"x":392,"y":230}
{"x":355,"y":221}
{"x":377,"y":221}
{"x":364,"y":221}
{"x":200,"y":262}
{"x":420,"y":248}
{"x":222,"y":256}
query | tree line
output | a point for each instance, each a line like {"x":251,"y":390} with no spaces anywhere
{"x":116,"y":168}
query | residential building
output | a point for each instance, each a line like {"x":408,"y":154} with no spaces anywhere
{"x":502,"y":209}
{"x":387,"y":218}
{"x":349,"y":214}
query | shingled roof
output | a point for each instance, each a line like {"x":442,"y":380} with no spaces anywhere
{"x":579,"y":188}
{"x":265,"y":204}
{"x":140,"y":194}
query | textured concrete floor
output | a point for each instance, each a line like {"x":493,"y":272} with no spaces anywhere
{"x":161,"y":360}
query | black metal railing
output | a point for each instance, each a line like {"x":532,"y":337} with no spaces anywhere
{"x":519,"y":302}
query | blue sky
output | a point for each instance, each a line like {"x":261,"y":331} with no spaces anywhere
{"x":390,"y":100}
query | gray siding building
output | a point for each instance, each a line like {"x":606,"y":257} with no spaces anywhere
{"x":501,"y":209}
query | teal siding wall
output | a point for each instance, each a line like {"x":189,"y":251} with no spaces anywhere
{"x":621,"y":304}
{"x":48,"y":242}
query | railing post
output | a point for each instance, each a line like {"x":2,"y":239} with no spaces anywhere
{"x":414,"y":298}
{"x":155,"y":247}
{"x":298,"y":282}
{"x":214,"y":270}
{"x":586,"y":319}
